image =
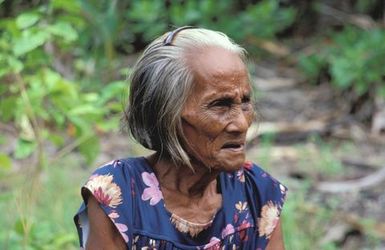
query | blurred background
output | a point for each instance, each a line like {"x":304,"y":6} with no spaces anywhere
{"x":318,"y":71}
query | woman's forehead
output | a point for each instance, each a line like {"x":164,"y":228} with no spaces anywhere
{"x":204,"y":91}
{"x":215,"y":62}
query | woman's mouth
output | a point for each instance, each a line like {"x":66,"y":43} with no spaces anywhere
{"x":233,"y":146}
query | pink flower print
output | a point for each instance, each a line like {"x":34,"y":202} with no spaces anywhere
{"x":214,"y":244}
{"x":153,"y":192}
{"x":248,"y":165}
{"x":245,"y":224}
{"x":113,"y":215}
{"x":229,"y":229}
{"x":241,"y":175}
{"x":122,"y":229}
{"x":102,"y":197}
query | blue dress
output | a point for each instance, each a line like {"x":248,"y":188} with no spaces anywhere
{"x":129,"y":194}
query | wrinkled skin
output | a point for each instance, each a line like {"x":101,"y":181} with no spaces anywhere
{"x":218,"y":111}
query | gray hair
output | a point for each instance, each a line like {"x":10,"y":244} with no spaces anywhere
{"x":161,"y":82}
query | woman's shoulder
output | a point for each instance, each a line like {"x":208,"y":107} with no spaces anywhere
{"x":267,"y":190}
{"x":124,"y":166}
{"x":268,"y":197}
{"x":116,"y":176}
{"x":262,"y":178}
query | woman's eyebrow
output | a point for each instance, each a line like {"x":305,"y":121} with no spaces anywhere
{"x":218,"y":96}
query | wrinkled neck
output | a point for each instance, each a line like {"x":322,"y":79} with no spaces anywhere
{"x":193,"y":183}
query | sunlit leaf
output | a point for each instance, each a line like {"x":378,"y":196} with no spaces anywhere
{"x":85,"y":109}
{"x":27,"y":132}
{"x":26,"y":20}
{"x":63,"y":30}
{"x":30,"y":42}
{"x":69,"y":6}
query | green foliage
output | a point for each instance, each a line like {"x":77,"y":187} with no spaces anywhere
{"x":44,"y":221}
{"x":124,"y":23}
{"x":39,"y":100}
{"x":262,"y":20}
{"x":355,"y":59}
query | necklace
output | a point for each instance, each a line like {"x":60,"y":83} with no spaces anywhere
{"x":189,"y":227}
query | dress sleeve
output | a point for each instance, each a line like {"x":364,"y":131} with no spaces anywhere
{"x":267,"y":196}
{"x":111,"y":187}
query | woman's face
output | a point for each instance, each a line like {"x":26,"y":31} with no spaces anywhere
{"x":218,"y":111}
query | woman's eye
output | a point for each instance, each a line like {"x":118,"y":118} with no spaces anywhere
{"x":246,"y":99}
{"x":222,"y":103}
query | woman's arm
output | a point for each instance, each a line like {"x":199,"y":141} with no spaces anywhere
{"x":103,"y":234}
{"x":276,"y":239}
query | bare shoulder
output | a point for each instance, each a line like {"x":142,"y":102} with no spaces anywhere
{"x":103,"y":234}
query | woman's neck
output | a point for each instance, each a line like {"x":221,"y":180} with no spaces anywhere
{"x":182,"y":179}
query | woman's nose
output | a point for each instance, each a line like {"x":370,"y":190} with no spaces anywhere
{"x":239,"y":122}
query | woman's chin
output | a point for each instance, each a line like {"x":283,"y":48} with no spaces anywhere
{"x":231,"y":165}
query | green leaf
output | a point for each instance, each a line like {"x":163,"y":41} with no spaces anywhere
{"x":85,"y":109}
{"x":115,"y":90}
{"x":19,"y":226}
{"x":110,"y":124}
{"x":24,"y":148}
{"x":311,"y":65}
{"x":15,"y":65}
{"x":7,"y":108}
{"x":69,"y":6}
{"x":26,"y":20}
{"x":339,"y":68}
{"x":29,"y":42}
{"x":90,"y":149}
{"x":82,"y":126}
{"x":62,"y":240}
{"x":5,"y":162}
{"x":58,"y":140}
{"x":63,"y":30}
{"x":25,"y":125}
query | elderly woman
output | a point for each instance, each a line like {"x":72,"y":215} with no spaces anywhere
{"x":189,"y":103}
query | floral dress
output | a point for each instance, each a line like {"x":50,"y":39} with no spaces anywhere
{"x":129,"y":194}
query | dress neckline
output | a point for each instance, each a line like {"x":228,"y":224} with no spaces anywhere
{"x":171,"y":215}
